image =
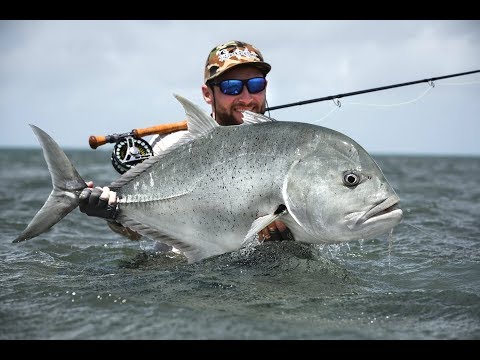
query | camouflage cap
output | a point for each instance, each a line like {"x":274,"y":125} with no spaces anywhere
{"x":230,"y":54}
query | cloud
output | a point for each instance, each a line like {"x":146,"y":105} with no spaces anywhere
{"x":78,"y":78}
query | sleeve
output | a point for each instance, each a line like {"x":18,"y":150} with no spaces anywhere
{"x":125,"y":231}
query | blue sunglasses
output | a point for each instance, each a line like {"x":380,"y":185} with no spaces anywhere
{"x":235,"y":87}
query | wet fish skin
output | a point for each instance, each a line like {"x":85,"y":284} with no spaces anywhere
{"x":220,"y":185}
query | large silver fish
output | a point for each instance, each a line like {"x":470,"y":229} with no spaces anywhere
{"x":220,"y":185}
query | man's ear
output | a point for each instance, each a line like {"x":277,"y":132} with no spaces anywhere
{"x":207,"y":94}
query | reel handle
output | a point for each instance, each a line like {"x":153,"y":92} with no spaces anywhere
{"x":98,"y":140}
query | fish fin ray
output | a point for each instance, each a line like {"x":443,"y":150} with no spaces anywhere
{"x":199,"y":123}
{"x":192,"y":253}
{"x":250,"y":117}
{"x":66,"y":182}
{"x":261,"y":223}
{"x":55,"y":209}
{"x":146,"y":164}
{"x":64,"y":175}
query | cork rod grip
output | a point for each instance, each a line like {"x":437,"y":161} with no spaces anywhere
{"x":98,"y":140}
{"x":161,"y":129}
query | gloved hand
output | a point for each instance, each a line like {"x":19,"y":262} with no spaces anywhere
{"x":98,"y":202}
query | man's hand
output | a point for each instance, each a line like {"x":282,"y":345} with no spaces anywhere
{"x":99,"y":202}
{"x":276,"y":231}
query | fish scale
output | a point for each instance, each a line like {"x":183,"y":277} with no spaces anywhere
{"x":219,"y":185}
{"x":228,"y":189}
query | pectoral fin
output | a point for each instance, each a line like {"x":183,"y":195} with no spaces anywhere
{"x":263,"y":221}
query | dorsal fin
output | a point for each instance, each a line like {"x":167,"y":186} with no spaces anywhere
{"x":249,"y":117}
{"x":199,"y":124}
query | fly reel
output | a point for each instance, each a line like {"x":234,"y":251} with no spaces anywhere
{"x":129,"y":152}
{"x":130,"y":149}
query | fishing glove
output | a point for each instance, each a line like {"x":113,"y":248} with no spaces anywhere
{"x":92,"y":204}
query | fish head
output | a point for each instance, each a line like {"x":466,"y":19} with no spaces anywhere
{"x":338,"y":193}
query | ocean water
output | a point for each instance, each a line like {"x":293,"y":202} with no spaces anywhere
{"x":82,"y":281}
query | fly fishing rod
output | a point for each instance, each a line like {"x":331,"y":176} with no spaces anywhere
{"x":332,"y":97}
{"x":130,"y":149}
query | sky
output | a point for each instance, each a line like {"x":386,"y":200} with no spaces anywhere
{"x":76,"y":78}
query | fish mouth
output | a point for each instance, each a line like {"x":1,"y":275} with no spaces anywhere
{"x":387,"y":209}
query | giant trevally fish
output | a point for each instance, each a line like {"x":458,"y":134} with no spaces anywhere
{"x":212,"y":192}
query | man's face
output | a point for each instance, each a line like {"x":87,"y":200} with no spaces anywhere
{"x":227,"y":108}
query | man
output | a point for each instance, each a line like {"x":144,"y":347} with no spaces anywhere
{"x":234,"y":81}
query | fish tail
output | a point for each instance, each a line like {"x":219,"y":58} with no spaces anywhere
{"x":67,"y":185}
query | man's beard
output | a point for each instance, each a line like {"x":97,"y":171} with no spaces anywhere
{"x":225,"y":117}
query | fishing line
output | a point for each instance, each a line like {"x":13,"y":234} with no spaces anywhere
{"x":423,"y":94}
{"x":395,"y":104}
{"x":390,"y":246}
{"x":337,"y":105}
{"x":327,"y":115}
{"x":436,"y":237}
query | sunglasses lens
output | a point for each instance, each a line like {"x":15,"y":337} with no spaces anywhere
{"x":231,"y":87}
{"x":256,"y":85}
{"x":235,"y":87}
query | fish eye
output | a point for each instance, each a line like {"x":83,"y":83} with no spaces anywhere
{"x":351,"y":178}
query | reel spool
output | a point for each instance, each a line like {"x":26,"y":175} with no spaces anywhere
{"x":129,"y":152}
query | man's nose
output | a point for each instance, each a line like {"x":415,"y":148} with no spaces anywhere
{"x":245,"y":94}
